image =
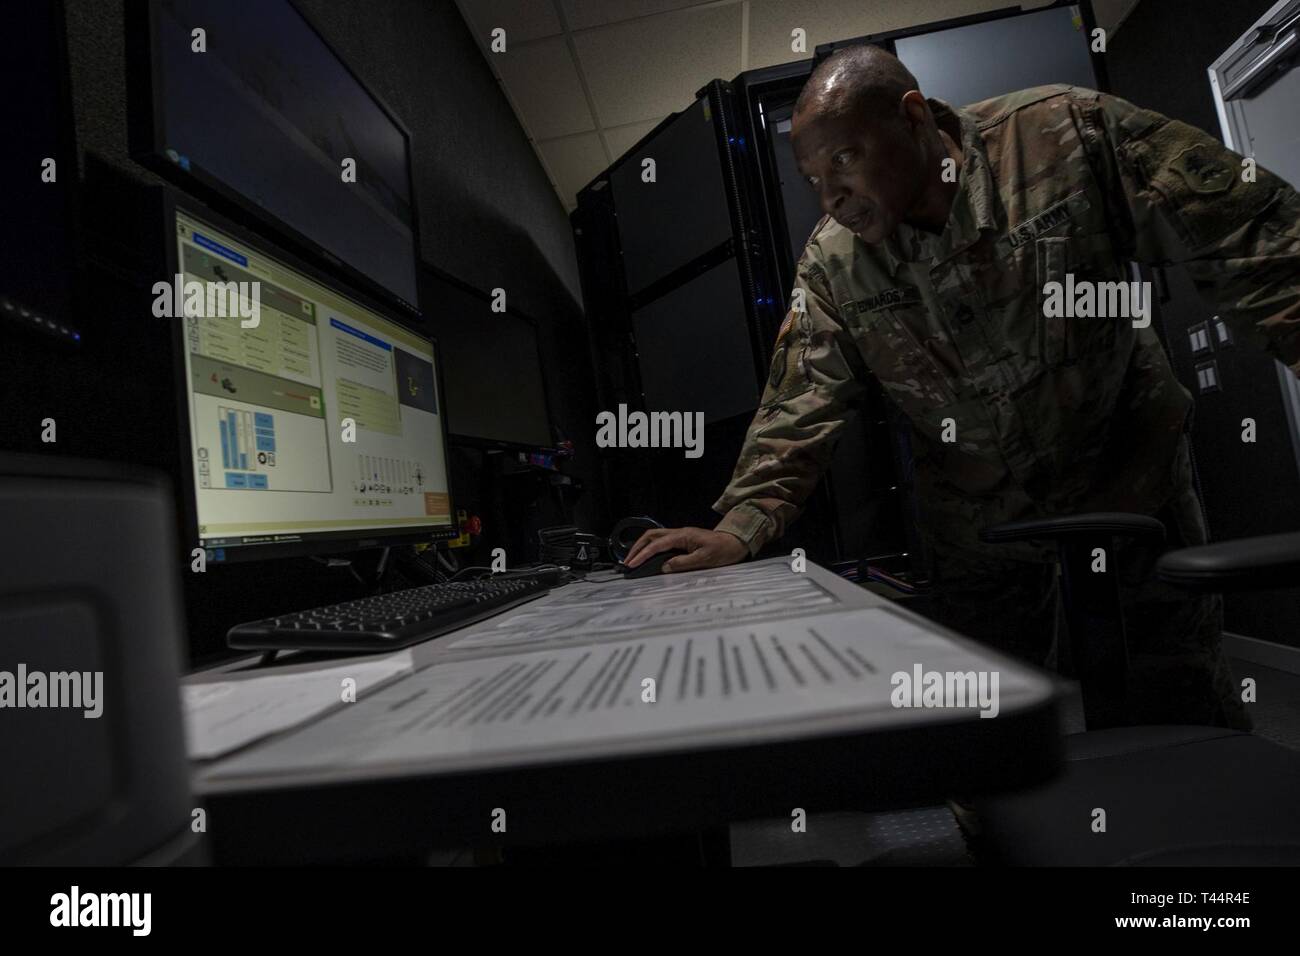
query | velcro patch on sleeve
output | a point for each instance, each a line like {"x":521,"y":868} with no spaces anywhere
{"x":1201,"y":183}
{"x":1202,"y":172}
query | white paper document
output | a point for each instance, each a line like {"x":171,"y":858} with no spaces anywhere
{"x":757,"y":592}
{"x":825,"y":671}
{"x":227,"y":714}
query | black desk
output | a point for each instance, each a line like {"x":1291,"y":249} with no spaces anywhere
{"x":301,"y":796}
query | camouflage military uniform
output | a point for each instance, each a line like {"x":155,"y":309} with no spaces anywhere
{"x":1045,"y":416}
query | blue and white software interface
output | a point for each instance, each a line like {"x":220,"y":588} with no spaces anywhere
{"x":274,"y":459}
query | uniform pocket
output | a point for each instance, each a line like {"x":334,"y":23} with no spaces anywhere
{"x":1084,"y":294}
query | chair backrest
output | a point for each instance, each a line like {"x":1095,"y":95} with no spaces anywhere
{"x":91,"y":740}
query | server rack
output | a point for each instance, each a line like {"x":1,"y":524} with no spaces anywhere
{"x":683,"y":302}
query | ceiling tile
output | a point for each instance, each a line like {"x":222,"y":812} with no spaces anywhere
{"x":581,"y":14}
{"x":522,"y":20}
{"x":574,"y":161}
{"x":650,"y":68}
{"x":543,"y":84}
{"x":623,"y":138}
{"x":771,"y":22}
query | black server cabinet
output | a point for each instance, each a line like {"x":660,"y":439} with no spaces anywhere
{"x":51,"y":358}
{"x":684,"y":301}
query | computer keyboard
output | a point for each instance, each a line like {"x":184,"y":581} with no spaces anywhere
{"x":389,"y":620}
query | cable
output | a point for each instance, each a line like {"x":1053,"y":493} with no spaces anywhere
{"x":609,"y":580}
{"x":521,"y":572}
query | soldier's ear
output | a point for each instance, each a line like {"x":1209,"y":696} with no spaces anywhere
{"x":915,"y":110}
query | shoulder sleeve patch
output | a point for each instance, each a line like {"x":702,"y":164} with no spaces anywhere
{"x":1202,"y":172}
{"x":1199,"y":182}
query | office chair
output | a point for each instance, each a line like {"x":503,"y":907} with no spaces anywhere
{"x":89,"y":584}
{"x":1172,"y":795}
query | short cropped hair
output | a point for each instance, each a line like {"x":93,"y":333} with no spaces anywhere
{"x":864,"y":80}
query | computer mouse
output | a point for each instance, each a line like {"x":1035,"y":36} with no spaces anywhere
{"x":653,"y":565}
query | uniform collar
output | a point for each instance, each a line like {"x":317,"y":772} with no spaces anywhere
{"x":972,"y":206}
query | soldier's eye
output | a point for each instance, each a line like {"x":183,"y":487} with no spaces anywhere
{"x":811,"y":181}
{"x":842,"y":158}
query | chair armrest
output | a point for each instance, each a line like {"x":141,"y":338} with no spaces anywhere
{"x":1068,"y":526}
{"x":1246,"y":564}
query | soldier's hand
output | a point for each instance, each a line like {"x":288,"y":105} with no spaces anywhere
{"x":707,"y":549}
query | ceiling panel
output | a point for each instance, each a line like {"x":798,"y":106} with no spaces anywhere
{"x":581,"y":14}
{"x":522,"y":20}
{"x":623,"y":138}
{"x":543,"y":84}
{"x":573,"y":162}
{"x":771,"y":22}
{"x":649,"y":68}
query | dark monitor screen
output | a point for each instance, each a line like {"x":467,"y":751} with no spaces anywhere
{"x":966,"y":64}
{"x":315,"y":420}
{"x":496,"y":392}
{"x":268,"y":117}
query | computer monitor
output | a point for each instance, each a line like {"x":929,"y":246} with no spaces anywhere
{"x":493,"y":365}
{"x":312,"y":420}
{"x":259,"y":113}
{"x":968,"y":63}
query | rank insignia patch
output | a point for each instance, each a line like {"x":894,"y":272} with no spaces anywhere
{"x":1203,"y":173}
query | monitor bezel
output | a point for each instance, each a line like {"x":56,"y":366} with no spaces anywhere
{"x":316,"y":542}
{"x":145,"y":146}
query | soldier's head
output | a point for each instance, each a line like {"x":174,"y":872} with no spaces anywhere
{"x":865,"y":139}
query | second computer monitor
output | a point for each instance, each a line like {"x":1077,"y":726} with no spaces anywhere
{"x":315,"y":422}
